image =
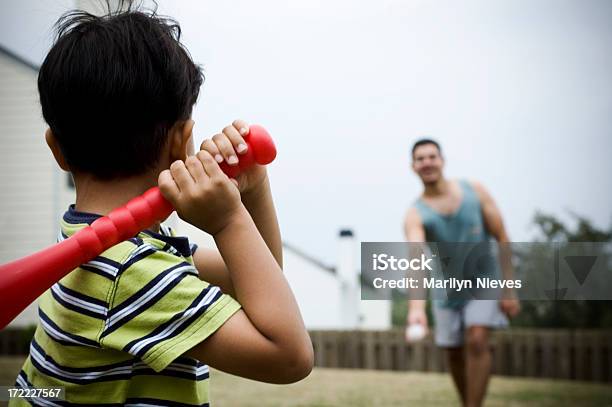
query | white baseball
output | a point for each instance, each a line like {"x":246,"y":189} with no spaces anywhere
{"x":415,"y":333}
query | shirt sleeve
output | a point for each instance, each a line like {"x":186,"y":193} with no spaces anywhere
{"x":160,"y":308}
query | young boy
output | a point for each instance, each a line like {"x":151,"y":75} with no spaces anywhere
{"x":139,"y":324}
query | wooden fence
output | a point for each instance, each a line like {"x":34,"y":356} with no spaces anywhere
{"x":562,"y":354}
{"x":15,"y":341}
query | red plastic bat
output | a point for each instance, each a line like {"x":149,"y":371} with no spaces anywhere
{"x":25,"y":279}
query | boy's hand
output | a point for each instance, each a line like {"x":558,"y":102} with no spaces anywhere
{"x":228,"y":146}
{"x":200,"y":192}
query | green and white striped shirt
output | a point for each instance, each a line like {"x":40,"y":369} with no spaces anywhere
{"x":114,"y":330}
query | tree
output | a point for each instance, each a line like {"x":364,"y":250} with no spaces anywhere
{"x":570,"y":313}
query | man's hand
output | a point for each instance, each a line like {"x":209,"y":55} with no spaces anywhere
{"x":201,"y":193}
{"x":417,"y":314}
{"x":510,"y":306}
{"x":228,"y":146}
{"x":417,"y":317}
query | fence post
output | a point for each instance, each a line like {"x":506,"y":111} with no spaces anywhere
{"x":564,"y":354}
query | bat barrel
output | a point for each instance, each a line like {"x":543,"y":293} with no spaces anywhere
{"x":25,"y":279}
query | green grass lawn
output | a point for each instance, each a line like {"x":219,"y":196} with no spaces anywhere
{"x":342,"y":387}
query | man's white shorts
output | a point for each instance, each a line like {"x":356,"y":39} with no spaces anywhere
{"x":451,"y":323}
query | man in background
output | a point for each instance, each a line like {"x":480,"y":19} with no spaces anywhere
{"x":458,"y":211}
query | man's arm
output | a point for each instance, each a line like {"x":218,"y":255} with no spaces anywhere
{"x":495,"y":226}
{"x":491,"y":214}
{"x":415,"y":233}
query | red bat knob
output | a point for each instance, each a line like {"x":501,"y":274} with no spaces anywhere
{"x":25,"y":279}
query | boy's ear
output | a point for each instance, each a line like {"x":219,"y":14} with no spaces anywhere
{"x":56,"y":150}
{"x":181,"y":140}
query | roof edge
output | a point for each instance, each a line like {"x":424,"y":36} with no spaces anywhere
{"x":19,"y":59}
{"x":309,"y":258}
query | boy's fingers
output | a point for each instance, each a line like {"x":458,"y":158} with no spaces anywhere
{"x":225,"y":146}
{"x":194,"y":165}
{"x":210,"y":165}
{"x":236,"y":139}
{"x":241,"y":126}
{"x":211,"y":147}
{"x":167,"y":185}
{"x":181,"y":175}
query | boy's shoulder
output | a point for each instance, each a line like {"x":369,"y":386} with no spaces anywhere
{"x":152,"y":260}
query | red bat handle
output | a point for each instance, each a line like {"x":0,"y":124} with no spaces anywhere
{"x":25,"y":279}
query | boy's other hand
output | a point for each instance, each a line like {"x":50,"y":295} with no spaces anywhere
{"x":228,"y":146}
{"x":201,"y":193}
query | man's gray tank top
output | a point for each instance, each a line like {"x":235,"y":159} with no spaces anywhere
{"x":466,"y":224}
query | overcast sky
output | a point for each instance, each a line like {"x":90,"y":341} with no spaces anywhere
{"x":518,"y":92}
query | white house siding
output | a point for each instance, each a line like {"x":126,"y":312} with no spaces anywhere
{"x":316,"y":290}
{"x":30,"y":190}
{"x":375,"y":314}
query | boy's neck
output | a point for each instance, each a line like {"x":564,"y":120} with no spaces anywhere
{"x":101,"y":197}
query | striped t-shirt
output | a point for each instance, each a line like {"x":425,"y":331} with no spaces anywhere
{"x":114,"y":330}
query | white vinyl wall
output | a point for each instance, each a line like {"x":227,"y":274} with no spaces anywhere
{"x":33,"y":190}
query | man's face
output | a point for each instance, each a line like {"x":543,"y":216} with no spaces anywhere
{"x":427,"y":163}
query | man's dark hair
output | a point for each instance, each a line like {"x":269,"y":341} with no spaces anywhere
{"x":112,"y":86}
{"x":423,"y":142}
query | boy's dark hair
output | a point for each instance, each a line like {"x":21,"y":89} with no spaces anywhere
{"x":112,"y":86}
{"x":424,"y":141}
